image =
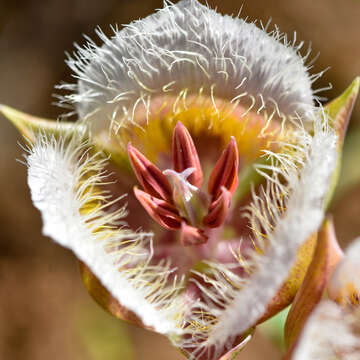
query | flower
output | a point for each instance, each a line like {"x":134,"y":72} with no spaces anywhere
{"x":332,"y":330}
{"x":332,"y":333}
{"x":194,"y":182}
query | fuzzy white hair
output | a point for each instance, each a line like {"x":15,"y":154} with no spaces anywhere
{"x":187,"y":47}
{"x":64,"y":179}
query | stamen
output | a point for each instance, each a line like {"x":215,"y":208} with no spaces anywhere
{"x":225,"y":172}
{"x":149,"y":176}
{"x":179,"y":203}
{"x":192,"y":236}
{"x":161,"y":211}
{"x":218,"y":209}
{"x":185,"y":155}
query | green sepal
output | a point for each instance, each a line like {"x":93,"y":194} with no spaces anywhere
{"x":29,"y":125}
{"x":339,"y":110}
{"x":338,"y":113}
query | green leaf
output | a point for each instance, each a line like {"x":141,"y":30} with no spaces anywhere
{"x":273,"y":329}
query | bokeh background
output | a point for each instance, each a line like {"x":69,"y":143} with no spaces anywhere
{"x":45,"y":312}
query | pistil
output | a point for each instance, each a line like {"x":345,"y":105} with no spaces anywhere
{"x":184,"y":193}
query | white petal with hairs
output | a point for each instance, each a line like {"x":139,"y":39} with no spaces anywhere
{"x":188,"y":47}
{"x":64,"y":180}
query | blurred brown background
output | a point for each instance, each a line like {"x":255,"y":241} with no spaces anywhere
{"x":45,"y":313}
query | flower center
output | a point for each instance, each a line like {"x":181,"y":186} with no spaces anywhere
{"x":196,"y":212}
{"x":175,"y":199}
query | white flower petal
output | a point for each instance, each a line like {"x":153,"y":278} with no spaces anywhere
{"x":188,"y":47}
{"x":330,"y":333}
{"x":62,"y":177}
{"x":237,"y":310}
{"x":346,"y":278}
